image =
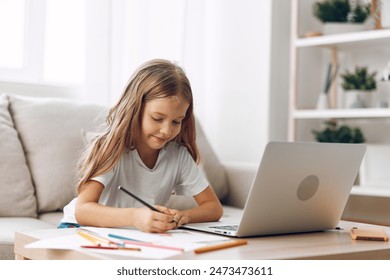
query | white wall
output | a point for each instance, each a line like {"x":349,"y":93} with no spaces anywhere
{"x":226,"y":53}
{"x":233,"y":106}
{"x":248,"y":106}
{"x":279,"y":77}
{"x":236,"y":57}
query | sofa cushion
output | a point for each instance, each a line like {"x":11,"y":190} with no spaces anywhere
{"x":53,"y":218}
{"x":16,"y":189}
{"x":210,"y":165}
{"x":49,"y":130}
{"x":8,"y":227}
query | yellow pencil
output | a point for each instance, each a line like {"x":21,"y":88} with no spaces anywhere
{"x":98,"y":241}
{"x":95,"y":239}
{"x":220,"y":246}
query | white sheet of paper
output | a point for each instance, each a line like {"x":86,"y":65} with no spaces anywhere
{"x":177,"y":236}
{"x":187,"y":240}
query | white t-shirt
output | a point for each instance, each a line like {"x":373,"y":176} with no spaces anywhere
{"x":174,"y":171}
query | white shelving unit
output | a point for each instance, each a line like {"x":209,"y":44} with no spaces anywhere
{"x":341,"y":113}
{"x":345,"y":41}
{"x":309,"y":58}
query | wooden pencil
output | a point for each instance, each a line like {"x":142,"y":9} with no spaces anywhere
{"x":221,"y":246}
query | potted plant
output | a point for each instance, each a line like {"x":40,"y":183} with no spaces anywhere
{"x":335,"y":133}
{"x":339,"y":16}
{"x":358,"y":86}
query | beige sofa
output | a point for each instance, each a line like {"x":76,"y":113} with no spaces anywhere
{"x":41,"y":140}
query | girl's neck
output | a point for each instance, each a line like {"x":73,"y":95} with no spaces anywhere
{"x":148,"y":157}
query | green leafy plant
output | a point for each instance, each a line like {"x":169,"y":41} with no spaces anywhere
{"x":360,"y":79}
{"x":341,"y":11}
{"x":332,"y":10}
{"x":360,"y":12}
{"x":335,"y":133}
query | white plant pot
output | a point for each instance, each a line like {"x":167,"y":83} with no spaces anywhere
{"x":341,"y":27}
{"x":357,"y":99}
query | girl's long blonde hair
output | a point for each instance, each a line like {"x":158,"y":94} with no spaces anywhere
{"x":155,"y":79}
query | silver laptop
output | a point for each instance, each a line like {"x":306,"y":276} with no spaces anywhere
{"x":299,"y":187}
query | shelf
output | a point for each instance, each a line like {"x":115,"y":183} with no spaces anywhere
{"x":371,"y":191}
{"x":341,"y":113}
{"x":309,"y":57}
{"x":347,"y":40}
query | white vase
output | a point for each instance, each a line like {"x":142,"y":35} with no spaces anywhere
{"x":323,"y":101}
{"x":343,"y":27}
{"x":385,"y":14}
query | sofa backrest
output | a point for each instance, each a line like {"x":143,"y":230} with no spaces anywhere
{"x":52,"y":134}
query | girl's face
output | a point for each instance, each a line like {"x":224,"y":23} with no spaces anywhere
{"x":161,"y":122}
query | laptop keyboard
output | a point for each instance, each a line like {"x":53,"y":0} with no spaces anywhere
{"x":232,"y":227}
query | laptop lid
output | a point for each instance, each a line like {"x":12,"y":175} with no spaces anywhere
{"x":299,"y":187}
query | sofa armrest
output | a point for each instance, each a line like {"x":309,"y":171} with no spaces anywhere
{"x":240,"y":176}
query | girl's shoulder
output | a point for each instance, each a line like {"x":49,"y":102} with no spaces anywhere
{"x":176,"y":150}
{"x":174,"y":147}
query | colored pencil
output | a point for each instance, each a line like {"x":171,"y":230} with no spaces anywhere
{"x":95,"y":238}
{"x":220,"y":246}
{"x":122,"y":237}
{"x":131,"y":241}
{"x":152,"y":245}
{"x":110,"y":247}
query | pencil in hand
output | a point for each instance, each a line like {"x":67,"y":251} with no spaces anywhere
{"x":138,"y":199}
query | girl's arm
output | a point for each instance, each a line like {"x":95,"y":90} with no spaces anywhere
{"x":209,"y":209}
{"x":90,"y":213}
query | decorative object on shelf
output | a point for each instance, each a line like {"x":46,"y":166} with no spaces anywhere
{"x":386,"y":73}
{"x":335,"y":133}
{"x":383,"y":12}
{"x":312,"y":34}
{"x":381,"y":99}
{"x":323,"y":101}
{"x":358,"y":87}
{"x":339,"y":16}
{"x":323,"y":98}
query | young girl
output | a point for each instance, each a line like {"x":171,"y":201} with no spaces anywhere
{"x":149,"y":149}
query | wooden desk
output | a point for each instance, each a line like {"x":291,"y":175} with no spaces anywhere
{"x":334,"y":244}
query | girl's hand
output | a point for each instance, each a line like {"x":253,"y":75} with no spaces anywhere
{"x":179,"y":217}
{"x":152,"y":221}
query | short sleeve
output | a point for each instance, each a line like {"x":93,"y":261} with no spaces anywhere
{"x":191,"y":181}
{"x":105,"y":178}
